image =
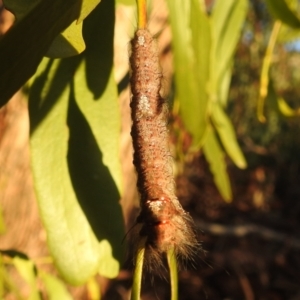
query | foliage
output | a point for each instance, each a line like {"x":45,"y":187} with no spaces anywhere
{"x":75,"y":122}
{"x":203,"y":49}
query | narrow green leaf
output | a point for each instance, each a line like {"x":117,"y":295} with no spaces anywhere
{"x":216,"y":159}
{"x":286,"y":110}
{"x":35,"y":32}
{"x":264,"y":74}
{"x":191,"y":42}
{"x":2,"y":277}
{"x":55,"y":288}
{"x":224,"y":85}
{"x":201,"y":43}
{"x":227,"y":135}
{"x":227,"y":21}
{"x":280,"y":10}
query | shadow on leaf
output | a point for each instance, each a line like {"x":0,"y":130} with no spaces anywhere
{"x":92,"y":182}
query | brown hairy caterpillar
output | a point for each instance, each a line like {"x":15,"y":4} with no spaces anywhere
{"x":162,"y":220}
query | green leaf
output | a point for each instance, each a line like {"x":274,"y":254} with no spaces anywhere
{"x":93,"y":289}
{"x":126,"y":2}
{"x":69,"y":43}
{"x":191,"y":44}
{"x":286,"y":110}
{"x":26,"y":269}
{"x":216,"y":159}
{"x":87,"y":7}
{"x":227,"y":21}
{"x":103,"y":117}
{"x":99,"y":184}
{"x":288,"y":34}
{"x":35,"y":32}
{"x":72,"y":243}
{"x":95,"y":125}
{"x":55,"y":288}
{"x":75,"y":125}
{"x":224,"y":85}
{"x":227,"y":135}
{"x":109,"y":267}
{"x":280,"y":10}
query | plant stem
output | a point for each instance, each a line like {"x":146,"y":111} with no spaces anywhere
{"x":142,"y":13}
{"x":138,"y":271}
{"x":172,"y":262}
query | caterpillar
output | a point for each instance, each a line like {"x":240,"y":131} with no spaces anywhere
{"x":162,"y":220}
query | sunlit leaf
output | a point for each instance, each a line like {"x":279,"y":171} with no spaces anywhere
{"x":280,"y":10}
{"x":55,"y":288}
{"x":126,"y":2}
{"x":286,"y":110}
{"x":71,"y":240}
{"x":288,"y":34}
{"x":25,"y":268}
{"x":75,"y":126}
{"x":227,"y":135}
{"x":93,"y":289}
{"x":216,"y":158}
{"x":191,"y":42}
{"x":109,"y":267}
{"x":227,"y":21}
{"x":69,"y":43}
{"x":103,"y":117}
{"x":95,"y":126}
{"x":224,"y":85}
